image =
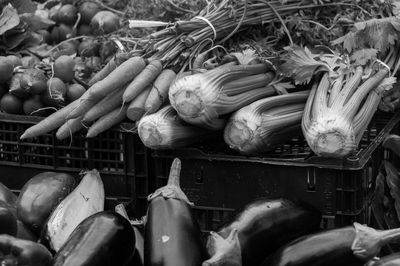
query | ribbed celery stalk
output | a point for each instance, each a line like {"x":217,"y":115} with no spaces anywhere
{"x":265,"y":123}
{"x":201,"y":99}
{"x":333,"y":123}
{"x":165,"y":130}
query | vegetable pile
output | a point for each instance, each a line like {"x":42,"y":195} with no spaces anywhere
{"x":58,"y":220}
{"x":196,"y":79}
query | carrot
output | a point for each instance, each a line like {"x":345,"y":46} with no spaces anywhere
{"x":55,"y":120}
{"x":148,"y":75}
{"x":107,"y":121}
{"x":109,"y":67}
{"x":69,"y":128}
{"x":159,"y":92}
{"x":107,"y":104}
{"x":136,"y":109}
{"x":117,"y":78}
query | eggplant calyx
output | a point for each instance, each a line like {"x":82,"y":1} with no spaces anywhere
{"x":368,"y":241}
{"x":172,"y":190}
{"x":224,"y":252}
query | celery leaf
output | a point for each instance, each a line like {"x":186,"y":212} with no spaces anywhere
{"x":282,"y":87}
{"x":245,"y":56}
{"x":363,"y":56}
{"x":299,"y":63}
{"x":378,"y":34}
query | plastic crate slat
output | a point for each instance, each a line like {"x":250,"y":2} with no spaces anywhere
{"x":37,"y":155}
{"x":37,"y":145}
{"x":107,"y":152}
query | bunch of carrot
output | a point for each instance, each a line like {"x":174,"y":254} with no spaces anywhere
{"x":124,"y":88}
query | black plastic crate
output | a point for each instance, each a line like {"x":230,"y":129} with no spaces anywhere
{"x":218,"y":181}
{"x":119,"y":156}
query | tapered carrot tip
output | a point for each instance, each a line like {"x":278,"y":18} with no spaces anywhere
{"x":90,"y":135}
{"x":24,"y":136}
{"x":175,"y":173}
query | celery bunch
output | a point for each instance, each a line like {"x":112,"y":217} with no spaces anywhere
{"x":268,"y":122}
{"x":202,"y":98}
{"x":345,"y":94}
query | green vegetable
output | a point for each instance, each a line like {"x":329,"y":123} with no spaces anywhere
{"x":268,"y":122}
{"x":201,"y":98}
{"x":343,"y":99}
{"x":392,"y":142}
{"x":86,"y":199}
{"x":103,"y":239}
{"x":8,"y":220}
{"x":40,"y":196}
{"x":18,"y":252}
{"x":166,"y":130}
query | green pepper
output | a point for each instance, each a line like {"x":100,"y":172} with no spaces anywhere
{"x":18,"y":252}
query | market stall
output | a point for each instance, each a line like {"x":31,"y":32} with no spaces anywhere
{"x":251,"y":132}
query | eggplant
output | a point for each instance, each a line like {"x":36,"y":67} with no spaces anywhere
{"x":351,"y":246}
{"x":390,"y":260}
{"x":103,"y":239}
{"x":172,"y":236}
{"x":8,"y":220}
{"x":40,"y":196}
{"x":19,"y":252}
{"x":9,"y":200}
{"x":392,"y":142}
{"x":259,"y":230}
{"x":7,"y":196}
{"x":23,"y":232}
{"x":85,"y":200}
{"x":138,"y":258}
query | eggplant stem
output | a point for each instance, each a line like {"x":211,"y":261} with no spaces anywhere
{"x":172,"y":190}
{"x":224,"y":251}
{"x":368,"y":241}
{"x":175,"y":173}
{"x":389,"y":236}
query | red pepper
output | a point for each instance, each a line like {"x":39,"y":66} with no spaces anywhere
{"x":18,"y":252}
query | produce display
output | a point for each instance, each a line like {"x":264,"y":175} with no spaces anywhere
{"x":212,"y":78}
{"x":265,"y":232}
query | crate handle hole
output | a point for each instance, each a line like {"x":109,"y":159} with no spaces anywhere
{"x":199,"y":178}
{"x":311,"y":181}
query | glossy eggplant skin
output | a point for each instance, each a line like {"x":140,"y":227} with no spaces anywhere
{"x":103,"y":239}
{"x":138,"y":258}
{"x":327,"y":248}
{"x":18,"y":252}
{"x":266,"y":225}
{"x":390,"y":260}
{"x":7,"y":195}
{"x":40,"y":195}
{"x":172,"y":236}
{"x":23,"y":232}
{"x":8,"y":220}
